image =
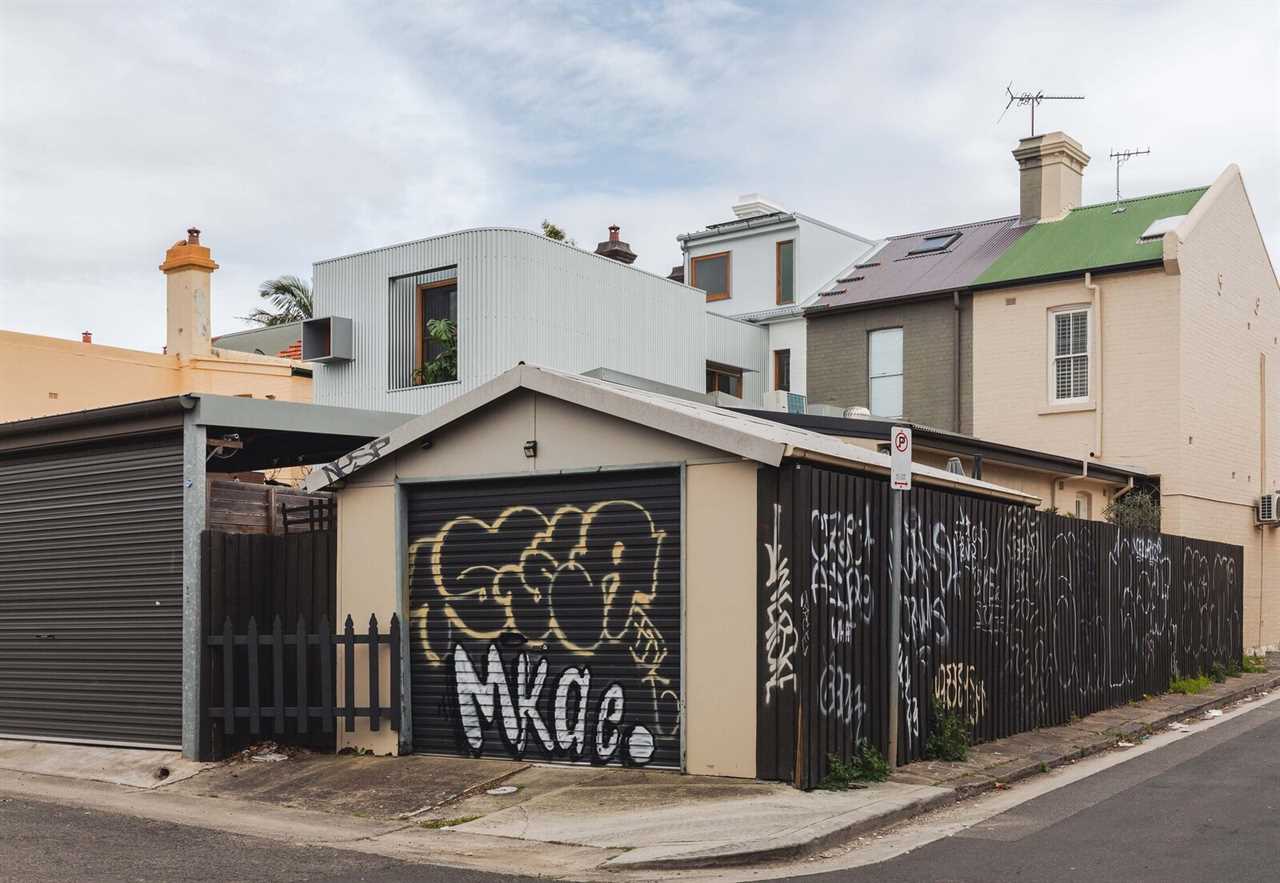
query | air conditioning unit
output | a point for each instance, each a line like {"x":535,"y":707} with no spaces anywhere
{"x":1269,"y":509}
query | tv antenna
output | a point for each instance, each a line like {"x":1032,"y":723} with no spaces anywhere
{"x":1031,"y":99}
{"x":1121,"y":157}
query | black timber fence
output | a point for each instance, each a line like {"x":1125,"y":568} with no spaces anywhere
{"x":256,"y":696}
{"x":258,"y":576}
{"x":1011,"y":618}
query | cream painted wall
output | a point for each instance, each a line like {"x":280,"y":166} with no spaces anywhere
{"x":368,"y":550}
{"x":569,"y":437}
{"x":46,"y":375}
{"x":1182,"y":390}
{"x":1230,"y":320}
{"x":720,"y":619}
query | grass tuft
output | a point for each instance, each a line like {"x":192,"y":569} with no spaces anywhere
{"x":436,"y":824}
{"x":1253,"y":665}
{"x":866,"y":765}
{"x":949,"y":739}
{"x":1189,"y":686}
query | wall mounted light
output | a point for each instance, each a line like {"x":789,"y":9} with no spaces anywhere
{"x":531,"y":449}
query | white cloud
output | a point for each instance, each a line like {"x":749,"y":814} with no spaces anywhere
{"x":295,"y":133}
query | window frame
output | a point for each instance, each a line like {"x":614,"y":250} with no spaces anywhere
{"x":420,"y":328}
{"x":951,"y":239}
{"x":1052,"y":356}
{"x":777,"y":264}
{"x":729,"y":371}
{"x":777,"y":362}
{"x":728,"y":274}
{"x":901,"y":372}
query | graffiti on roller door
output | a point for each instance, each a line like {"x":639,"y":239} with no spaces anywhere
{"x":575,"y":586}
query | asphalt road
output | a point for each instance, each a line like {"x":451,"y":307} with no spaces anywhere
{"x":1204,"y":808}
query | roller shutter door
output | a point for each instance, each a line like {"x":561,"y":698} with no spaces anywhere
{"x":545,"y":618}
{"x":91,"y":593}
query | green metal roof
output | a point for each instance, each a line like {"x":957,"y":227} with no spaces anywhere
{"x":1089,"y":238}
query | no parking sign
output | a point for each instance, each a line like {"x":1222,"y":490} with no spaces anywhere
{"x":900,"y":458}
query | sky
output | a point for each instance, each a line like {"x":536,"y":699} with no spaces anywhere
{"x":295,"y":132}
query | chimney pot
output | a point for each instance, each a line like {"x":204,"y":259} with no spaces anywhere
{"x":614,"y":248}
{"x":193,"y":236}
{"x":86,"y":337}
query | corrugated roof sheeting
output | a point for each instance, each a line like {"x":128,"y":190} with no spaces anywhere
{"x":521,"y":297}
{"x":1090,"y":237}
{"x":891,"y":272}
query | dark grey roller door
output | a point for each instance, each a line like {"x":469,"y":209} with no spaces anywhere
{"x":545,"y":617}
{"x":91,"y":593}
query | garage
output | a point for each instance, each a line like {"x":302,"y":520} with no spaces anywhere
{"x":546,"y":615}
{"x":91,"y":592}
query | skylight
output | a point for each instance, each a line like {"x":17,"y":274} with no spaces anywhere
{"x":1161,"y":226}
{"x":938,"y":242}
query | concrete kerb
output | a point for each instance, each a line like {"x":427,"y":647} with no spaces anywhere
{"x":842,"y":828}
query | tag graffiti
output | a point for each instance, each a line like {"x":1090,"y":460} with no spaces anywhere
{"x":510,"y":702}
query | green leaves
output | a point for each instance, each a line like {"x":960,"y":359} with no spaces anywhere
{"x":290,"y":299}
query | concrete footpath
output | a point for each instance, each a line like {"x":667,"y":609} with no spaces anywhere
{"x":567,"y":822}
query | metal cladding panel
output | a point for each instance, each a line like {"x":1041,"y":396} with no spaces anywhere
{"x":1011,"y":619}
{"x":740,"y":345}
{"x":545,"y":618}
{"x":521,"y":297}
{"x":91,"y":593}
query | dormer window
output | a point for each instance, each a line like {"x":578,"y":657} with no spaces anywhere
{"x":935,"y":243}
{"x":711,"y":274}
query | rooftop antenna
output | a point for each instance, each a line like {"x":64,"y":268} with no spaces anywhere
{"x":1031,"y":99}
{"x":1121,"y":157}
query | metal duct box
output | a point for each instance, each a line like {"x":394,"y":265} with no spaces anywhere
{"x":327,"y":340}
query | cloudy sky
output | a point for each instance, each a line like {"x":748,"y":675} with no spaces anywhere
{"x":295,"y":132}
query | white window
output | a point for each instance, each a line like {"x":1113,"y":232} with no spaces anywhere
{"x":1069,"y":355}
{"x":884,"y":364}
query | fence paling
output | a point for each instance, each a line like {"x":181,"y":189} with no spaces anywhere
{"x":302,"y":711}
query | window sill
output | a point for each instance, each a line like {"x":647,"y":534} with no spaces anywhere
{"x":1073,"y":408}
{"x":714,"y":297}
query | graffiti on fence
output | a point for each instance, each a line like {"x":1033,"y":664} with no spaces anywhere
{"x":577,"y":584}
{"x":1010,"y":617}
{"x":780,"y":632}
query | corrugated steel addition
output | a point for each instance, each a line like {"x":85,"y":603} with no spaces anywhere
{"x":91,"y":593}
{"x":545,"y":618}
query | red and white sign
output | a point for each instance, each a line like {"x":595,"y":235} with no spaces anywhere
{"x":900,"y":458}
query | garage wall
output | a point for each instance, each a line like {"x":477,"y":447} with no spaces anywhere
{"x":720,"y":619}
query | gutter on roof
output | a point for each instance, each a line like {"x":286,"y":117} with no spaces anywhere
{"x":760,"y":222}
{"x":110,"y":414}
{"x":1069,"y":274}
{"x":821,"y":309}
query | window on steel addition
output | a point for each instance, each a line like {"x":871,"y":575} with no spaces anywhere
{"x":436,"y":343}
{"x":884,"y":364}
{"x":1069,"y":355}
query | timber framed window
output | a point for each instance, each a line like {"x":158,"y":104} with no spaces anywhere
{"x":1069,"y":335}
{"x":724,"y":378}
{"x":785,"y":261}
{"x":884,"y":372}
{"x":711,"y":273}
{"x":436,"y":332}
{"x":782,"y":370}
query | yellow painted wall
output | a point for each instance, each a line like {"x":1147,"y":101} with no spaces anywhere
{"x":46,"y":375}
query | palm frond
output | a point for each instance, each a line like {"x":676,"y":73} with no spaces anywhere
{"x":290,"y":298}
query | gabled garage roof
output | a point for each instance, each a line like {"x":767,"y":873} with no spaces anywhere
{"x":743,"y":435}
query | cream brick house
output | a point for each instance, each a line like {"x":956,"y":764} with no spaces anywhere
{"x":1146,"y":336}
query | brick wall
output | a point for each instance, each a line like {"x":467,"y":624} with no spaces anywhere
{"x":837,"y":361}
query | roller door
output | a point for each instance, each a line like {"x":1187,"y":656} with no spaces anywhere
{"x":91,"y":593}
{"x":545,"y":618}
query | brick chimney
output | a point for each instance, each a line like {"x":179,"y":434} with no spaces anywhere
{"x":614,"y":248}
{"x":188,"y":268}
{"x":1051,"y":171}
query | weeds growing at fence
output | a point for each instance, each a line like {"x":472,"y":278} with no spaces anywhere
{"x":437,"y":824}
{"x":1253,"y":665}
{"x":866,"y":765}
{"x":1189,"y":686}
{"x":950,"y":738}
{"x":1218,"y":673}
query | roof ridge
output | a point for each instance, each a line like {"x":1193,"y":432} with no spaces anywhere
{"x":944,"y":229}
{"x":1132,"y":199}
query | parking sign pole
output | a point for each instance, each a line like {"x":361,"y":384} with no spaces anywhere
{"x":899,"y":484}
